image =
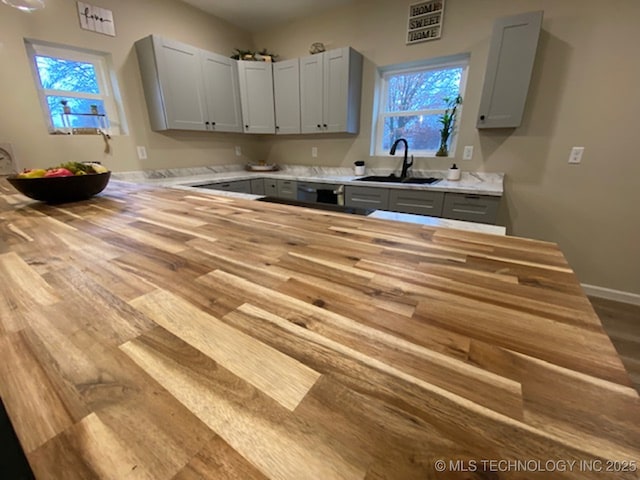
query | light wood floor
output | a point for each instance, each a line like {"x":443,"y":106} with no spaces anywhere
{"x":622,"y":323}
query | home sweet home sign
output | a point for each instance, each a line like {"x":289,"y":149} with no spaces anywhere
{"x":425,"y":21}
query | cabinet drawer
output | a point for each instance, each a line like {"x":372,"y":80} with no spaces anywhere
{"x":287,"y":189}
{"x":474,"y":208}
{"x":240,"y":186}
{"x":368,"y":197}
{"x":420,"y":202}
{"x":257,"y":186}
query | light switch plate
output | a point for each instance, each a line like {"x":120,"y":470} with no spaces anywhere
{"x":314,"y":152}
{"x":576,"y":155}
{"x":468,"y":152}
{"x":238,"y":151}
{"x":142,"y":153}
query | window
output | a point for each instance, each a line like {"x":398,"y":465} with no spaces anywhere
{"x":75,"y":88}
{"x":410,"y":100}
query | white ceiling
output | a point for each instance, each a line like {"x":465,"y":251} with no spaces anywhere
{"x":255,"y":15}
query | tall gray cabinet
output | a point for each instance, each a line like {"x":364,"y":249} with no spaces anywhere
{"x":187,"y":88}
{"x":509,"y":66}
{"x":330,"y":87}
{"x":256,"y":92}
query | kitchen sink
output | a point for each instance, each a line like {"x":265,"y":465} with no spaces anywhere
{"x":395,"y":179}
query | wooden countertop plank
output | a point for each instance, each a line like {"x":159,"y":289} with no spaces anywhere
{"x":365,"y":310}
{"x":474,"y":428}
{"x":565,"y":345}
{"x":271,"y":437}
{"x":280,"y":377}
{"x":90,"y":449}
{"x":458,"y":377}
{"x":37,"y":412}
{"x":218,"y":460}
{"x":509,"y":296}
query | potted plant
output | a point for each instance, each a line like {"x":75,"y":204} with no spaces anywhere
{"x":65,"y":108}
{"x":447,"y":119}
{"x":243,"y":54}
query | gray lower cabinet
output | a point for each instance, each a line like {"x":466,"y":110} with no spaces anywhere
{"x":421,"y":202}
{"x":473,"y":208}
{"x":240,"y":186}
{"x":287,"y":189}
{"x":271,"y":187}
{"x":367,"y":197}
{"x":257,"y":186}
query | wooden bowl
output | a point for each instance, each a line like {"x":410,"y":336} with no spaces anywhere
{"x":61,"y":189}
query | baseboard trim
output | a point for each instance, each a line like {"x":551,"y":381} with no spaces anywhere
{"x":610,"y":294}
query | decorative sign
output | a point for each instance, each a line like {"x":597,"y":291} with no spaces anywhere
{"x":425,"y":21}
{"x":96,"y":19}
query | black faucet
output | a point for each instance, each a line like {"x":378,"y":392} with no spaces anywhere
{"x":405,"y":162}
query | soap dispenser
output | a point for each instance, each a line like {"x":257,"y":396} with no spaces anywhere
{"x":453,"y":173}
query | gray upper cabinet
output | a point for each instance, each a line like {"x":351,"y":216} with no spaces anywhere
{"x":256,"y":95}
{"x":509,"y":66}
{"x":222,"y":92}
{"x":187,"y":88}
{"x":330,"y":88}
{"x":286,"y":93}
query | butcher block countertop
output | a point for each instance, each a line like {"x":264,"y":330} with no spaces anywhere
{"x":158,"y":333}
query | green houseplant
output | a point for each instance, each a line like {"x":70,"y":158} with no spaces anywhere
{"x":447,"y":119}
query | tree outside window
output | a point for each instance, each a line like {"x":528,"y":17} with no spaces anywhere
{"x":411,"y":102}
{"x":74,"y":87}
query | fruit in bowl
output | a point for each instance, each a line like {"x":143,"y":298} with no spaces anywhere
{"x":68,"y":182}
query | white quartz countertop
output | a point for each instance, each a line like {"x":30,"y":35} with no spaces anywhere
{"x":479,"y":183}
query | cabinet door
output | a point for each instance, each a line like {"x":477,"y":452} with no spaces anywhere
{"x":311,"y":91}
{"x":222,"y":92}
{"x":335,"y":90}
{"x":368,"y":197}
{"x":511,"y":56}
{"x":271,"y":187}
{"x":180,"y":79}
{"x":286,"y":92}
{"x":256,"y":95}
{"x":287,"y":189}
{"x":421,"y":202}
{"x":474,"y":208}
{"x":257,"y":186}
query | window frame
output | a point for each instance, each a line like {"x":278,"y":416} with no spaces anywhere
{"x":107,"y":85}
{"x":381,"y":96}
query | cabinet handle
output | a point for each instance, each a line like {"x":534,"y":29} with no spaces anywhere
{"x":324,"y":125}
{"x":319,"y":126}
{"x":277,"y":127}
{"x":482,"y":117}
{"x":472,"y":197}
{"x":246,"y":126}
{"x":206,"y":123}
{"x":213,"y":123}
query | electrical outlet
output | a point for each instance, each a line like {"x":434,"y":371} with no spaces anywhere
{"x":314,"y":152}
{"x":142,"y":153}
{"x":468,"y":152}
{"x":576,"y":155}
{"x":238,"y":151}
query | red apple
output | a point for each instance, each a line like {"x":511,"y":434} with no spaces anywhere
{"x":59,"y":172}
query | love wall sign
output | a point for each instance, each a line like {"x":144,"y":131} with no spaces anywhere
{"x":425,"y":21}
